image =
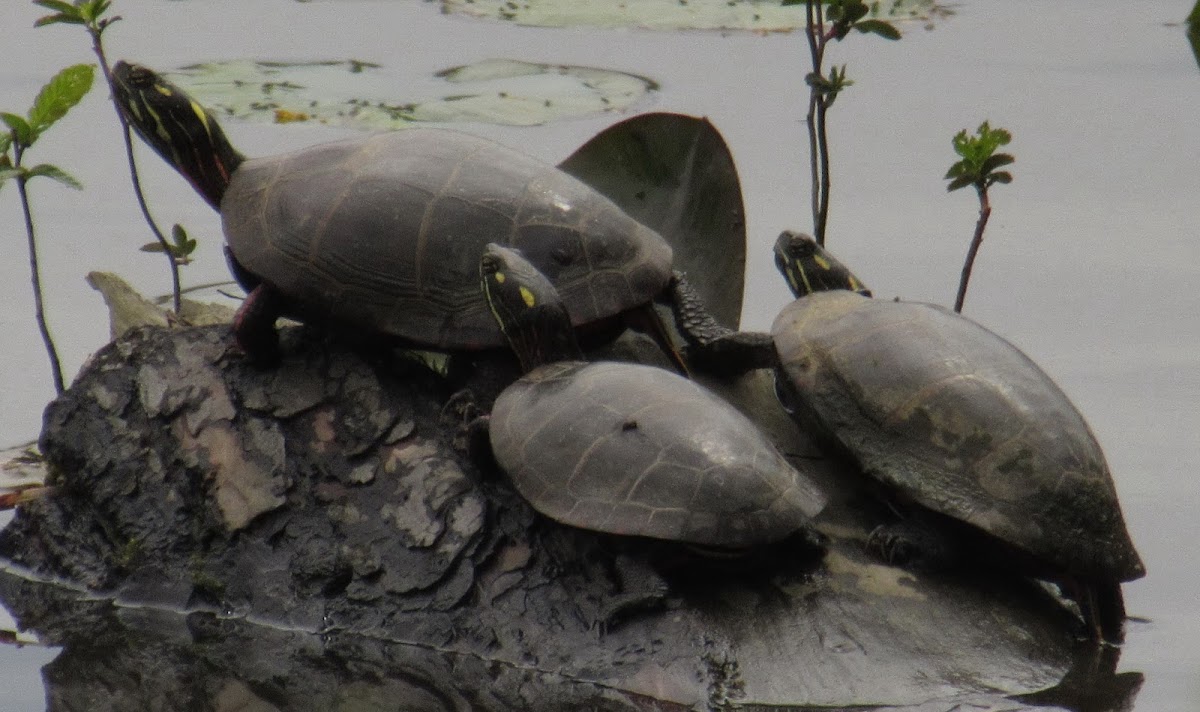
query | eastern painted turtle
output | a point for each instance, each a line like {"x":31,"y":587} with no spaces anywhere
{"x":626,"y":448}
{"x":382,"y":234}
{"x":954,"y":419}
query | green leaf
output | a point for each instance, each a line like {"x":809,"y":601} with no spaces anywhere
{"x":61,"y":93}
{"x":957,"y":170}
{"x":184,"y":245}
{"x":882,"y":28}
{"x":960,"y":182}
{"x":1001,"y":177}
{"x":65,"y":8}
{"x":58,"y":174}
{"x":57,"y":19}
{"x":153,"y":247}
{"x":994,"y":162}
{"x":67,"y":13}
{"x":22,"y":132}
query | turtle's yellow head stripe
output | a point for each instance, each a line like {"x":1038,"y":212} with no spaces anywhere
{"x":499,"y":277}
{"x":821,"y":261}
{"x":164,"y":90}
{"x":203,"y":116}
{"x":528,"y":297}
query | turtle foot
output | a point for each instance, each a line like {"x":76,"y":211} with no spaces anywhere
{"x":914,"y":545}
{"x":254,"y":327}
{"x":470,"y":426}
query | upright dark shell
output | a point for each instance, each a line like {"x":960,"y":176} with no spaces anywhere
{"x":384,"y":234}
{"x":959,"y":420}
{"x":638,"y":451}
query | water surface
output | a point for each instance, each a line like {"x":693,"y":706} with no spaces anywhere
{"x":1091,"y":263}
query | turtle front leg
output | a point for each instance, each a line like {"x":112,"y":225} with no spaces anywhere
{"x":254,"y":325}
{"x":713,"y":347}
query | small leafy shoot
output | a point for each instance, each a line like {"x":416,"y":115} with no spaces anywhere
{"x":60,"y":94}
{"x":181,"y":246}
{"x":88,"y":13}
{"x":977,"y":167}
{"x":979,"y":158}
{"x":830,"y":20}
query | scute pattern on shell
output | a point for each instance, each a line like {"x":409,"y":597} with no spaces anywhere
{"x":384,"y":234}
{"x":639,"y":451}
{"x":960,"y":420}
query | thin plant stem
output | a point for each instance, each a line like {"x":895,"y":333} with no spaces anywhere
{"x":823,"y":212}
{"x":818,"y":105}
{"x":35,"y":277}
{"x":814,"y":50}
{"x":172,"y":261}
{"x":985,"y":211}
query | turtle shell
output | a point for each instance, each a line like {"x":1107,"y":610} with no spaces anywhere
{"x":639,"y":451}
{"x":384,"y":234}
{"x":959,"y":420}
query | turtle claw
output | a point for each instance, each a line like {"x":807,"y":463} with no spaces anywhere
{"x":912,"y":545}
{"x":470,"y":423}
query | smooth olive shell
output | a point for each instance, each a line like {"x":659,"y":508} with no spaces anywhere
{"x":639,"y":451}
{"x":384,"y":234}
{"x":956,"y":418}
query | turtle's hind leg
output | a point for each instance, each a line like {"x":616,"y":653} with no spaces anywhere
{"x":254,"y":325}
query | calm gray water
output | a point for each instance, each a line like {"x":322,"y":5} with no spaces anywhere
{"x":1091,"y":262}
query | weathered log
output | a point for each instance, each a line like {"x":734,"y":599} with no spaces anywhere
{"x":322,"y":509}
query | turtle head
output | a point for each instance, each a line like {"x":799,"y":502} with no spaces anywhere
{"x":179,"y":129}
{"x":527,"y":308}
{"x":809,"y":268}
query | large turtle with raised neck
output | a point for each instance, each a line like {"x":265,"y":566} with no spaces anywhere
{"x":626,"y":448}
{"x":382,"y":234}
{"x":977,"y":448}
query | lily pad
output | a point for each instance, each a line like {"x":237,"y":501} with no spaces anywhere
{"x":360,"y":94}
{"x":751,"y":15}
{"x":675,"y":174}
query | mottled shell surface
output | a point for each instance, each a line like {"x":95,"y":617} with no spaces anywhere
{"x":959,"y":420}
{"x":639,"y":451}
{"x":384,"y":233}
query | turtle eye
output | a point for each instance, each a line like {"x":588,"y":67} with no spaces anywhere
{"x":140,"y":77}
{"x":487,"y":265}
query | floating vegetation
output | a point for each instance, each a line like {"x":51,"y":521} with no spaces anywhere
{"x":751,"y":15}
{"x":361,"y":95}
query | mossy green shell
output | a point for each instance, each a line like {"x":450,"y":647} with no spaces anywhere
{"x":639,"y":451}
{"x":961,"y":421}
{"x":384,"y":234}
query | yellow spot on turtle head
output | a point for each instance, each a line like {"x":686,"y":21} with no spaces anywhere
{"x":821,"y":261}
{"x":165,"y":91}
{"x":500,"y":278}
{"x":527,"y":295}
